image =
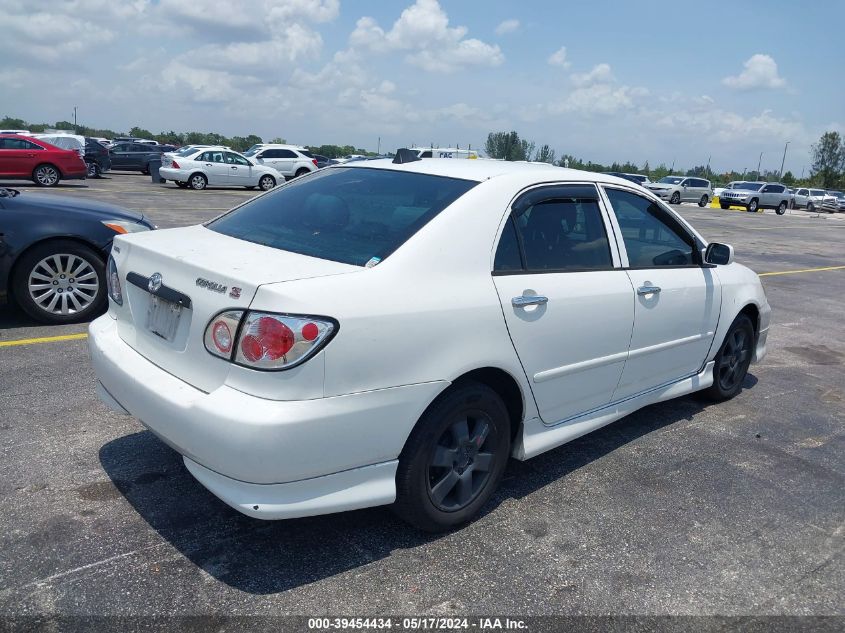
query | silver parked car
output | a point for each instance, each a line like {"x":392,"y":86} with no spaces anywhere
{"x":757,"y":195}
{"x":811,"y":199}
{"x":678,"y":189}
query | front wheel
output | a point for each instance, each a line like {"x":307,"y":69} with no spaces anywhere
{"x":781,"y":208}
{"x":703,"y":202}
{"x":732,"y":360}
{"x":752,"y":206}
{"x":724,"y":206}
{"x":454,"y":459}
{"x":267,"y":182}
{"x":676,"y":198}
{"x":60,"y":282}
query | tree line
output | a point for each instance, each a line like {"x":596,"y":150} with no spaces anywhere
{"x":827,"y":170}
{"x":238,"y":143}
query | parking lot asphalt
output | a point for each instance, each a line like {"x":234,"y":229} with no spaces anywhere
{"x":684,"y":507}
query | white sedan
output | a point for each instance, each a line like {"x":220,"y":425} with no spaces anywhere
{"x":393,"y":332}
{"x":216,"y":166}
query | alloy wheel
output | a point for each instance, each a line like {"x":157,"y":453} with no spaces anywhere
{"x":63,"y":284}
{"x":47,"y":175}
{"x":267,"y":183}
{"x":734,"y":360}
{"x":462,"y":462}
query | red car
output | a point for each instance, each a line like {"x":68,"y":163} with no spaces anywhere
{"x":25,"y":158}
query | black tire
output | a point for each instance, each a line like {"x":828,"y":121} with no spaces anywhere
{"x":301,"y":172}
{"x":675,"y":199}
{"x":703,"y":202}
{"x":724,"y":206}
{"x":781,"y":208}
{"x":46,"y":175}
{"x":752,"y":206}
{"x":792,"y":204}
{"x":436,"y":496}
{"x":180,"y":184}
{"x":811,"y":207}
{"x":732,"y":361}
{"x":198,"y":181}
{"x":93,"y":170}
{"x":266,"y":182}
{"x":64,"y":249}
{"x":146,"y":170}
{"x":250,"y":187}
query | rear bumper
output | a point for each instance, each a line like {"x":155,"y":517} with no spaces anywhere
{"x":291,"y":458}
{"x":168,"y":173}
{"x":75,"y":174}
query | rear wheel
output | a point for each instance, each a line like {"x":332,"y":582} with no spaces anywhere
{"x":732,"y":360}
{"x":703,"y":202}
{"x":454,"y":458}
{"x":302,"y":172}
{"x":752,"y":206}
{"x":93,"y":170}
{"x":811,"y":207}
{"x":676,"y":198}
{"x":198,"y":181}
{"x":46,"y":176}
{"x":781,"y":208}
{"x":60,"y":282}
{"x":267,"y":182}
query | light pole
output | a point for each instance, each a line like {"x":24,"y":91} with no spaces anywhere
{"x":758,"y":165}
{"x":784,"y":158}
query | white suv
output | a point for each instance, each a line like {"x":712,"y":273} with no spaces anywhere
{"x":289,"y":160}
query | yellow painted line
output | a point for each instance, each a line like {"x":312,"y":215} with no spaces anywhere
{"x":43,"y":339}
{"x":805,"y":270}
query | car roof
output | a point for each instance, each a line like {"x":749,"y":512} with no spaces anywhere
{"x":280,"y":146}
{"x":481,"y":169}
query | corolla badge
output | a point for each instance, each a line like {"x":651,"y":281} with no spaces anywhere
{"x":154,"y":282}
{"x":211,"y":285}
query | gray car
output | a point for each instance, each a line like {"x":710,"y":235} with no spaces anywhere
{"x":757,"y":195}
{"x":678,"y":189}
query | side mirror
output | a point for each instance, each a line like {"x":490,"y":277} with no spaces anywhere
{"x":719,"y":254}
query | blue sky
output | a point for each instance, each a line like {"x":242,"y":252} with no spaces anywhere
{"x":638,"y":81}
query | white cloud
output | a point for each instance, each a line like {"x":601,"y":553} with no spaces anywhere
{"x":507,"y":26}
{"x":760,"y":71}
{"x":558,"y":58}
{"x":423,"y":30}
{"x":600,"y":74}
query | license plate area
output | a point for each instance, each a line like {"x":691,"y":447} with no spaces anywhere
{"x":163,"y":317}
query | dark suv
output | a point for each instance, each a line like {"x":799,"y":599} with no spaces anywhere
{"x":133,"y":156}
{"x":96,"y":158}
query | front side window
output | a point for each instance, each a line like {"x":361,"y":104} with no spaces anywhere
{"x":560,"y":229}
{"x":348,"y":215}
{"x":652,"y":237}
{"x":802,"y":192}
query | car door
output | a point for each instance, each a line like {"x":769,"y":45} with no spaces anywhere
{"x":120,"y":156}
{"x":568,"y":305}
{"x":688,"y":190}
{"x":213,"y":165}
{"x":240,"y":171}
{"x":801,"y":197}
{"x":678,"y":299}
{"x":18,"y":157}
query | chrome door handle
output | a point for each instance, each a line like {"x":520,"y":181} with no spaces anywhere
{"x":526,"y":300}
{"x":234,"y":167}
{"x":647,"y":290}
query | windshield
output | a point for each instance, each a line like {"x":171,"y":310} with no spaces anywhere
{"x":347,"y":215}
{"x":671,"y":180}
{"x":748,"y":186}
{"x":838,"y":194}
{"x":253,"y":150}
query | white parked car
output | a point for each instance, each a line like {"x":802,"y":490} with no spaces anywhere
{"x":201,"y":167}
{"x":393,"y":332}
{"x":289,"y":160}
{"x":678,"y":189}
{"x":811,"y":199}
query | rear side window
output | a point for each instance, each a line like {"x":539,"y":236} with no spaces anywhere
{"x":559,"y":229}
{"x":346,"y":215}
{"x":652,"y":237}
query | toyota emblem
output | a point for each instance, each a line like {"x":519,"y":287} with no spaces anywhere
{"x":154,"y":283}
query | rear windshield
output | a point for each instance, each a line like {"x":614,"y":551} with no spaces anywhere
{"x":347,"y":215}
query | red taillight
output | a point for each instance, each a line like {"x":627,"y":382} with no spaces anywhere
{"x":314,"y":160}
{"x":175,"y":165}
{"x":262,"y":340}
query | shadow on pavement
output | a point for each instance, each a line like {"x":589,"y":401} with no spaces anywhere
{"x":267,"y":557}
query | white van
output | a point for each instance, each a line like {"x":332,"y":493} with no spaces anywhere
{"x":444,"y":152}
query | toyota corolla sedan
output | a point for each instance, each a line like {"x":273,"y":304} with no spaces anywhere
{"x":393,"y":332}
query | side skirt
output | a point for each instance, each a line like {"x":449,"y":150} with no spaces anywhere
{"x":538,"y":438}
